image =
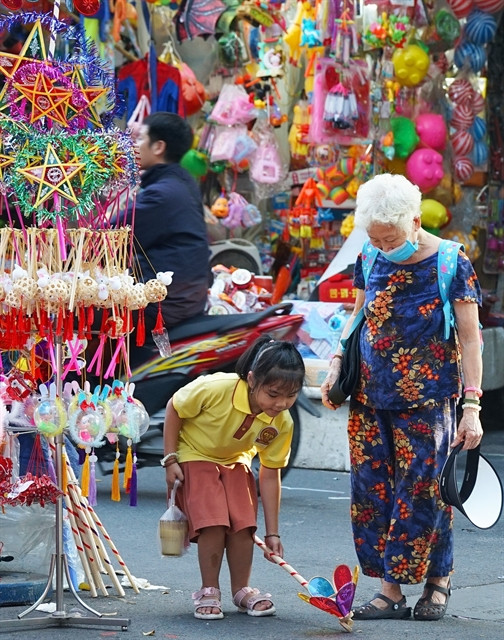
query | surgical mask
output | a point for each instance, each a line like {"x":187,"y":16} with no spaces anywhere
{"x":402,"y":253}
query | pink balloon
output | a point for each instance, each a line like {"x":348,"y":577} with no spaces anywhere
{"x":424,"y":168}
{"x":431,"y":129}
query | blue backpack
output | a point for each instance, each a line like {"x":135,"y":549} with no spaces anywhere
{"x":446,"y":270}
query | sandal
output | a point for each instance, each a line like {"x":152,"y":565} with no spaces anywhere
{"x":246,"y":604}
{"x":369,"y":611}
{"x":212,"y":600}
{"x":425,"y":609}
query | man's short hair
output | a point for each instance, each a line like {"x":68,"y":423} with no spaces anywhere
{"x":171,"y":129}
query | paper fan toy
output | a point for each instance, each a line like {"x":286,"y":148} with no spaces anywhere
{"x":336,"y":598}
{"x":198,"y":18}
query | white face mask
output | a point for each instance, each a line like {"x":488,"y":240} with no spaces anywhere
{"x":401,"y":253}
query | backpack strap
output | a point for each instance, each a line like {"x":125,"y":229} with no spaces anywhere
{"x":446,"y":269}
{"x":369,"y":254}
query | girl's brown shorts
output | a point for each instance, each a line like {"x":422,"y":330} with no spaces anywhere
{"x":216,"y":495}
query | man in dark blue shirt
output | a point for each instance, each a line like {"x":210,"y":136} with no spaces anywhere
{"x":168,"y":220}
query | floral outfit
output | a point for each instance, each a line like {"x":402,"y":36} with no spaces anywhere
{"x":403,"y":418}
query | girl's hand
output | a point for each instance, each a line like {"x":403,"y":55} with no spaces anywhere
{"x":173,"y":472}
{"x":469,"y":430}
{"x":326,"y":386}
{"x":276,"y":546}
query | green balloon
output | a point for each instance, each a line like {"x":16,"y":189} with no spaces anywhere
{"x":405,"y":136}
{"x":195,"y":162}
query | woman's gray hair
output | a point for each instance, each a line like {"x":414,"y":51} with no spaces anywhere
{"x":387,"y":199}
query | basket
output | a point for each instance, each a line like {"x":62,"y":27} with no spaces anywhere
{"x":173,"y":528}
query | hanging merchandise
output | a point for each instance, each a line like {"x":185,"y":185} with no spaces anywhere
{"x":197,"y":18}
{"x":341,"y":102}
{"x":267,"y":170}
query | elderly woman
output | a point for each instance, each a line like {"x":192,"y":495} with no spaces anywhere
{"x":402,"y":421}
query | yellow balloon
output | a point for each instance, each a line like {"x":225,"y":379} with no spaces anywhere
{"x":410,"y":65}
{"x":434,"y":214}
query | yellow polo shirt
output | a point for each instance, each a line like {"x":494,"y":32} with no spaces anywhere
{"x":218,"y":425}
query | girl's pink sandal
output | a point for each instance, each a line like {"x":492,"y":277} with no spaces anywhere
{"x":246,"y":605}
{"x":212,"y":600}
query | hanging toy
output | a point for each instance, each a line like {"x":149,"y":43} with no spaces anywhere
{"x":220,"y":208}
{"x":89,"y":419}
{"x":340,"y":107}
{"x":50,"y":415}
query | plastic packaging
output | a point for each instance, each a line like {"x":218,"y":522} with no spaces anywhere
{"x":173,"y":528}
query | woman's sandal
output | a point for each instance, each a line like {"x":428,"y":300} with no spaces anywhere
{"x":426,"y":609}
{"x":247,"y":598}
{"x":212,"y":600}
{"x":369,"y":611}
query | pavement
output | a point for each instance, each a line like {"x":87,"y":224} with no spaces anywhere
{"x":316,"y":534}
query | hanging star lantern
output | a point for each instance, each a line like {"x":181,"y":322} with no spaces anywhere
{"x":53,"y":177}
{"x":47,"y":99}
{"x":34,"y":45}
{"x":84,"y":105}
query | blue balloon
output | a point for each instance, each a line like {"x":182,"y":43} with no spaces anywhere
{"x":480,"y":27}
{"x":479,"y":153}
{"x":478,"y":128}
{"x":472,"y":54}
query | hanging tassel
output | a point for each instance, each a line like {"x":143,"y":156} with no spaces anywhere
{"x":92,"y":480}
{"x":59,"y":323}
{"x":116,"y":492}
{"x":69,"y":327}
{"x":140,"y":329}
{"x":89,"y":322}
{"x":64,"y":479}
{"x":85,"y":476}
{"x":128,"y":468}
{"x":133,"y":484}
{"x":159,"y":320}
{"x":33,"y":363}
{"x":81,"y":327}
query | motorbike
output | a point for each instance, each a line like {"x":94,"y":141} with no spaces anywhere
{"x":198,"y":347}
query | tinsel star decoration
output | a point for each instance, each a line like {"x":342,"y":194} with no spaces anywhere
{"x":53,"y":177}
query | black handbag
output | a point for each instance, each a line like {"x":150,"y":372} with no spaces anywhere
{"x":349,"y":375}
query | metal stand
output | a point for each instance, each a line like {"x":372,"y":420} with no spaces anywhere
{"x":59,"y":563}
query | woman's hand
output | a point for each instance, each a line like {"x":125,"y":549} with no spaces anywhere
{"x":326,"y":386}
{"x":469,"y":430}
{"x":173,"y":472}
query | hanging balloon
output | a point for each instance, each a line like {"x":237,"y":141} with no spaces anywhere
{"x":431,"y":129}
{"x":460,"y":91}
{"x":50,"y":417}
{"x":478,"y":128}
{"x":462,"y":116}
{"x":424,"y":168}
{"x":462,"y":143}
{"x":478,"y":103}
{"x":463,"y":168}
{"x":479,"y":153}
{"x":87,"y":7}
{"x":461,"y":8}
{"x":410,"y":65}
{"x":480,"y":27}
{"x":490,"y":6}
{"x":472,"y":54}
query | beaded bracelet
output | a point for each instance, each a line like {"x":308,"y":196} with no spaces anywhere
{"x":272,"y":535}
{"x":475,"y":407}
{"x":475,"y":390}
{"x":163,"y":461}
{"x":472,"y":400}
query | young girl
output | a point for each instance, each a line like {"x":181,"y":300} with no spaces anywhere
{"x":213,"y":428}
